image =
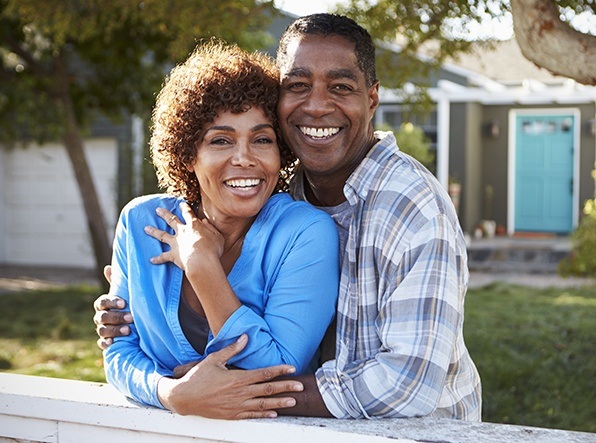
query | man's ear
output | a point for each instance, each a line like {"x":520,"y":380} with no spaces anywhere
{"x":373,"y":95}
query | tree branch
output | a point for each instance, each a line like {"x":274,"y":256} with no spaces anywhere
{"x":551,"y":43}
{"x":33,"y":64}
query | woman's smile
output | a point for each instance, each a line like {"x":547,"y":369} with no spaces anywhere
{"x":237,"y":164}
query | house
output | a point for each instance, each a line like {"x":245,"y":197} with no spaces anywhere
{"x":520,"y":141}
{"x":42,"y":220}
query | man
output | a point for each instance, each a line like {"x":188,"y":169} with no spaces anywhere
{"x":400,"y":350}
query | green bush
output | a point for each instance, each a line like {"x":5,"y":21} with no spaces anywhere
{"x":412,"y":140}
{"x":582,"y":260}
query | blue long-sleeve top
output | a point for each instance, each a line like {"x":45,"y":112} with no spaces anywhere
{"x":286,"y":279}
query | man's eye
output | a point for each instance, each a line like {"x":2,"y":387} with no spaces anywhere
{"x":342,"y":88}
{"x":297,"y":87}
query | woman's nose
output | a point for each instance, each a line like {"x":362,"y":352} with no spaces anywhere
{"x":243,"y":155}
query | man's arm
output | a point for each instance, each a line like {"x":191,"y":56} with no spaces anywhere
{"x":110,"y":321}
{"x":309,"y":402}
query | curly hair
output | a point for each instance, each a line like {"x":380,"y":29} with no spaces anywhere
{"x":215,"y":78}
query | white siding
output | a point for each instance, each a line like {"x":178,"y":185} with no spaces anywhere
{"x":42,"y":216}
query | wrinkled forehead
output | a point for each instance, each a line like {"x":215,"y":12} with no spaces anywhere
{"x":310,"y":53}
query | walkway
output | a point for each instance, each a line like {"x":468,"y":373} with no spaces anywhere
{"x":522,"y":261}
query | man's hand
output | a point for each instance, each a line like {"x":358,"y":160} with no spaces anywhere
{"x":211,"y":390}
{"x":109,"y":321}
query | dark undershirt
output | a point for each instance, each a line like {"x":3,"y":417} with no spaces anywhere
{"x":194,"y":327}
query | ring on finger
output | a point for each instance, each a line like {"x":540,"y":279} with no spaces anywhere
{"x":172,"y":218}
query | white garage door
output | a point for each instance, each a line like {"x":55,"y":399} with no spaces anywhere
{"x":43,"y":220}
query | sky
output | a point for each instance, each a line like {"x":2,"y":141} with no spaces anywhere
{"x":305,"y":7}
{"x":502,"y":30}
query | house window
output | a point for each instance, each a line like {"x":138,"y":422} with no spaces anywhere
{"x":395,"y":115}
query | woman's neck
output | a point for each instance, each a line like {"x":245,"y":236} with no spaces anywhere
{"x":233,"y":230}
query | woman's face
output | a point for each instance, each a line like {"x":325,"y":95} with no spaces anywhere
{"x":237,"y":165}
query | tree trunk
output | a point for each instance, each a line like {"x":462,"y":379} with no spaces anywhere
{"x":551,"y":43}
{"x":74,"y":146}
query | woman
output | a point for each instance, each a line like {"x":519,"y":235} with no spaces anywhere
{"x":240,"y":257}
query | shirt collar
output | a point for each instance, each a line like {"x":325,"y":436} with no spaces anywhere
{"x":362,"y":179}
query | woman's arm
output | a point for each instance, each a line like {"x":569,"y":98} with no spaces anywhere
{"x":196,"y":247}
{"x":299,"y":305}
{"x":127,"y":367}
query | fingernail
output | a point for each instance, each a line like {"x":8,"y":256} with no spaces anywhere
{"x":159,"y":210}
{"x":242,"y":338}
{"x":291,"y":370}
{"x":146,"y":229}
{"x":128,"y":317}
{"x":290,"y":402}
{"x":120,"y":304}
{"x":271,"y":415}
{"x":124,"y":330}
{"x":298,"y":387}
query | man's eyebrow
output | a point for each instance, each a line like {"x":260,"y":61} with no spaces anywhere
{"x":298,"y":72}
{"x":334,"y":74}
{"x":342,"y":73}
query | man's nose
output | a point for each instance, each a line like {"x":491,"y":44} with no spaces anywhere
{"x":318,"y":103}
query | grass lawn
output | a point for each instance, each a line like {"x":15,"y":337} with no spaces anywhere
{"x":534,"y":348}
{"x":50,"y":333}
{"x":535,"y":351}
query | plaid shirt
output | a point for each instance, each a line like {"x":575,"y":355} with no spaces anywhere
{"x":400,"y":350}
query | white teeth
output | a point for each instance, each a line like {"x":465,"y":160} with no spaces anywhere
{"x":243,"y":183}
{"x":319,"y":132}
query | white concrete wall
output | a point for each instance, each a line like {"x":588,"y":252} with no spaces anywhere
{"x":42,"y":220}
{"x":53,"y":410}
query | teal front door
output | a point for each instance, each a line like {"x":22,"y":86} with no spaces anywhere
{"x":544,"y":173}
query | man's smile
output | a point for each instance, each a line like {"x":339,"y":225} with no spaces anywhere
{"x":319,"y":132}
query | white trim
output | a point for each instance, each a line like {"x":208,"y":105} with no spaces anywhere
{"x":443,"y":120}
{"x":138,"y":139}
{"x":60,"y":411}
{"x":3,"y":208}
{"x":511,"y":151}
{"x":511,"y":173}
{"x":511,"y":95}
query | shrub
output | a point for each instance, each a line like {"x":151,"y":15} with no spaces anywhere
{"x":412,"y":140}
{"x":582,"y":260}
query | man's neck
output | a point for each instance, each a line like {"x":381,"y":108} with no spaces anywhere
{"x":320,"y":191}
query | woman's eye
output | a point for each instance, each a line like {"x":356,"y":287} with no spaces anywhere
{"x":264,"y":140}
{"x":219,"y":141}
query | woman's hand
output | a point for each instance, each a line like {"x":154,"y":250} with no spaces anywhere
{"x":210,"y":390}
{"x":194,"y":241}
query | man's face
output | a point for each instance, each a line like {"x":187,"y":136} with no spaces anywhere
{"x":325,"y":108}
